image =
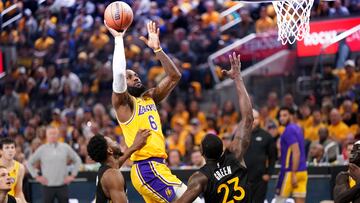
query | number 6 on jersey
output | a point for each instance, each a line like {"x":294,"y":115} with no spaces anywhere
{"x":152,"y":123}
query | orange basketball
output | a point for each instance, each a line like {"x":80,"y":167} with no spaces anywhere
{"x":118,"y":15}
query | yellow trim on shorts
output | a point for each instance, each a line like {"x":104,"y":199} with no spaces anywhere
{"x":152,"y":167}
{"x":147,"y":185}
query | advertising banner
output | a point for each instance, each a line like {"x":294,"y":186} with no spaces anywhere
{"x":322,"y":32}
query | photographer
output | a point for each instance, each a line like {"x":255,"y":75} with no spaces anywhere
{"x":347,"y":188}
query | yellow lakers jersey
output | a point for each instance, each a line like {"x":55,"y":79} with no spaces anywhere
{"x":145,"y":116}
{"x":13,"y":173}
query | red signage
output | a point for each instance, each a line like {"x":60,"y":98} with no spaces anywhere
{"x":322,"y":32}
{"x":262,"y":46}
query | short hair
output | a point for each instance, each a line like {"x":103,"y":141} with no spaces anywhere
{"x":97,"y":148}
{"x":288,"y":109}
{"x":212,"y":147}
{"x":6,"y":141}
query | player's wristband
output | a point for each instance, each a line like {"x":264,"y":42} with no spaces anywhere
{"x":157,"y":50}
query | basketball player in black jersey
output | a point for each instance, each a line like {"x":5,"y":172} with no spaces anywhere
{"x":110,"y":184}
{"x":224,"y":176}
{"x":5,"y":187}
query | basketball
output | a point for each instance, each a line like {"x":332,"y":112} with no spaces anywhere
{"x":118,"y":15}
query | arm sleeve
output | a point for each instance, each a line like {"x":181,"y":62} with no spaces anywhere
{"x":75,"y":158}
{"x":119,"y":66}
{"x":33,"y":159}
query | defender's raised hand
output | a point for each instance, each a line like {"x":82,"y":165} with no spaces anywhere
{"x":235,"y":70}
{"x":114,"y":32}
{"x":153,"y":40}
{"x":140,"y":139}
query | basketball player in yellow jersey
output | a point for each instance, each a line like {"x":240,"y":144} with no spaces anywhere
{"x":16,"y":169}
{"x":136,"y":109}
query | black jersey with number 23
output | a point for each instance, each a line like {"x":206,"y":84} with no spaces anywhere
{"x":227,"y":180}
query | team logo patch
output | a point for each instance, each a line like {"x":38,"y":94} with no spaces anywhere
{"x":168,"y":192}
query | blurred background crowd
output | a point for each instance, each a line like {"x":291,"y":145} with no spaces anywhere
{"x":63,"y":78}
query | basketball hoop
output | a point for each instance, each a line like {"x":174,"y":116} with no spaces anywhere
{"x":292,"y":19}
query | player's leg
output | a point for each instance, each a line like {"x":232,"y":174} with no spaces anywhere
{"x":299,"y":193}
{"x":63,"y":194}
{"x":155,"y":182}
{"x":48,"y":194}
{"x":258,"y":191}
{"x":148,"y":185}
{"x":283,"y":188}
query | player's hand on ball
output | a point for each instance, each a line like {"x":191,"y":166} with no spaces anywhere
{"x":153,"y":40}
{"x":235,"y":66}
{"x":114,"y":32}
{"x":140,"y":139}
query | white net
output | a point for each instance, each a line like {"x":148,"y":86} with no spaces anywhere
{"x":293,"y":19}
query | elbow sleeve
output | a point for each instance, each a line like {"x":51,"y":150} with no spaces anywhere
{"x":119,"y":66}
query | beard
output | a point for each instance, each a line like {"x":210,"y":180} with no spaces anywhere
{"x":117,"y":153}
{"x":136,"y":91}
{"x":284,"y":123}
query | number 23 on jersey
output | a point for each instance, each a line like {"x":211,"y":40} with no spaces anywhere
{"x":226,"y":187}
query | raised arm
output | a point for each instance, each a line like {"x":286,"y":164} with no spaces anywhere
{"x":139,"y":142}
{"x":173,"y":75}
{"x":242,"y":136}
{"x":121,"y":100}
{"x":196,"y":185}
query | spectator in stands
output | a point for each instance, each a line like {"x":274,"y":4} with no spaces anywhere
{"x":323,"y":9}
{"x":288,"y":101}
{"x":354,"y":6}
{"x":305,"y":116}
{"x":331,"y":148}
{"x":346,"y":152}
{"x":247,"y":25}
{"x":178,"y":137}
{"x":53,"y":158}
{"x":273,"y":105}
{"x":229,"y":109}
{"x":211,"y":17}
{"x":348,"y":115}
{"x":44,"y":43}
{"x":174,"y":159}
{"x":9,"y":102}
{"x":196,"y":130}
{"x":311,"y":132}
{"x":72,"y":80}
{"x":316,"y":155}
{"x":264,"y":23}
{"x":338,"y":10}
{"x":185,"y":54}
{"x":197,"y":160}
{"x":338,"y":130}
{"x":195,"y":112}
{"x":347,"y":77}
